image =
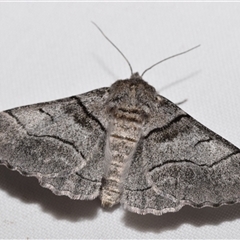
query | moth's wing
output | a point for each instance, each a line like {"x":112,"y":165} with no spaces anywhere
{"x":180,"y":162}
{"x":59,"y":142}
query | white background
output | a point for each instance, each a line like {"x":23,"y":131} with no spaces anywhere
{"x":51,"y":50}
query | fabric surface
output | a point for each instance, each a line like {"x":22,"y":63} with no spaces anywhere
{"x":52,"y":50}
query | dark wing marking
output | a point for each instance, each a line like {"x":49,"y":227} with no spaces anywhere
{"x":59,"y":142}
{"x":181,"y":162}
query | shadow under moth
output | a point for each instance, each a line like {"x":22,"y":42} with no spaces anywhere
{"x":124,"y":144}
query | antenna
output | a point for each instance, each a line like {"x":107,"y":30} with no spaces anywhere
{"x":169,"y":58}
{"x":114,"y":46}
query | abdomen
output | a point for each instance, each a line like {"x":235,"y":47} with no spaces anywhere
{"x":121,"y":144}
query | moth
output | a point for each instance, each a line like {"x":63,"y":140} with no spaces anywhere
{"x":124,"y":144}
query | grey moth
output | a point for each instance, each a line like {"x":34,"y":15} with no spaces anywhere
{"x":124,"y":144}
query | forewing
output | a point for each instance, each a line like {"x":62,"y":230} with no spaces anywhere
{"x":179,"y":163}
{"x":59,"y":142}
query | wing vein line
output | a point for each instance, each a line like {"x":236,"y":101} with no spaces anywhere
{"x":48,"y":136}
{"x":80,"y":103}
{"x":88,"y":179}
{"x":189,"y":161}
{"x":175,"y":120}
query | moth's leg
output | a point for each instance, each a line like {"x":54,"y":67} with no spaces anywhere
{"x":183,"y":101}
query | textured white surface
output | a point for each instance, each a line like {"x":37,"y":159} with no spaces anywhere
{"x":51,"y":50}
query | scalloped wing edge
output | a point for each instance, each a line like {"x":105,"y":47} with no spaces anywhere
{"x":51,"y":187}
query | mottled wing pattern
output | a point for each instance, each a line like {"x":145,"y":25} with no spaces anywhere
{"x":59,"y":142}
{"x":181,"y":162}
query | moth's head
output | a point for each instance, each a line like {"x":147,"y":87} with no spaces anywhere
{"x":132,"y":95}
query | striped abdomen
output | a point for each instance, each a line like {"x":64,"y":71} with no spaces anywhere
{"x":124,"y":134}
